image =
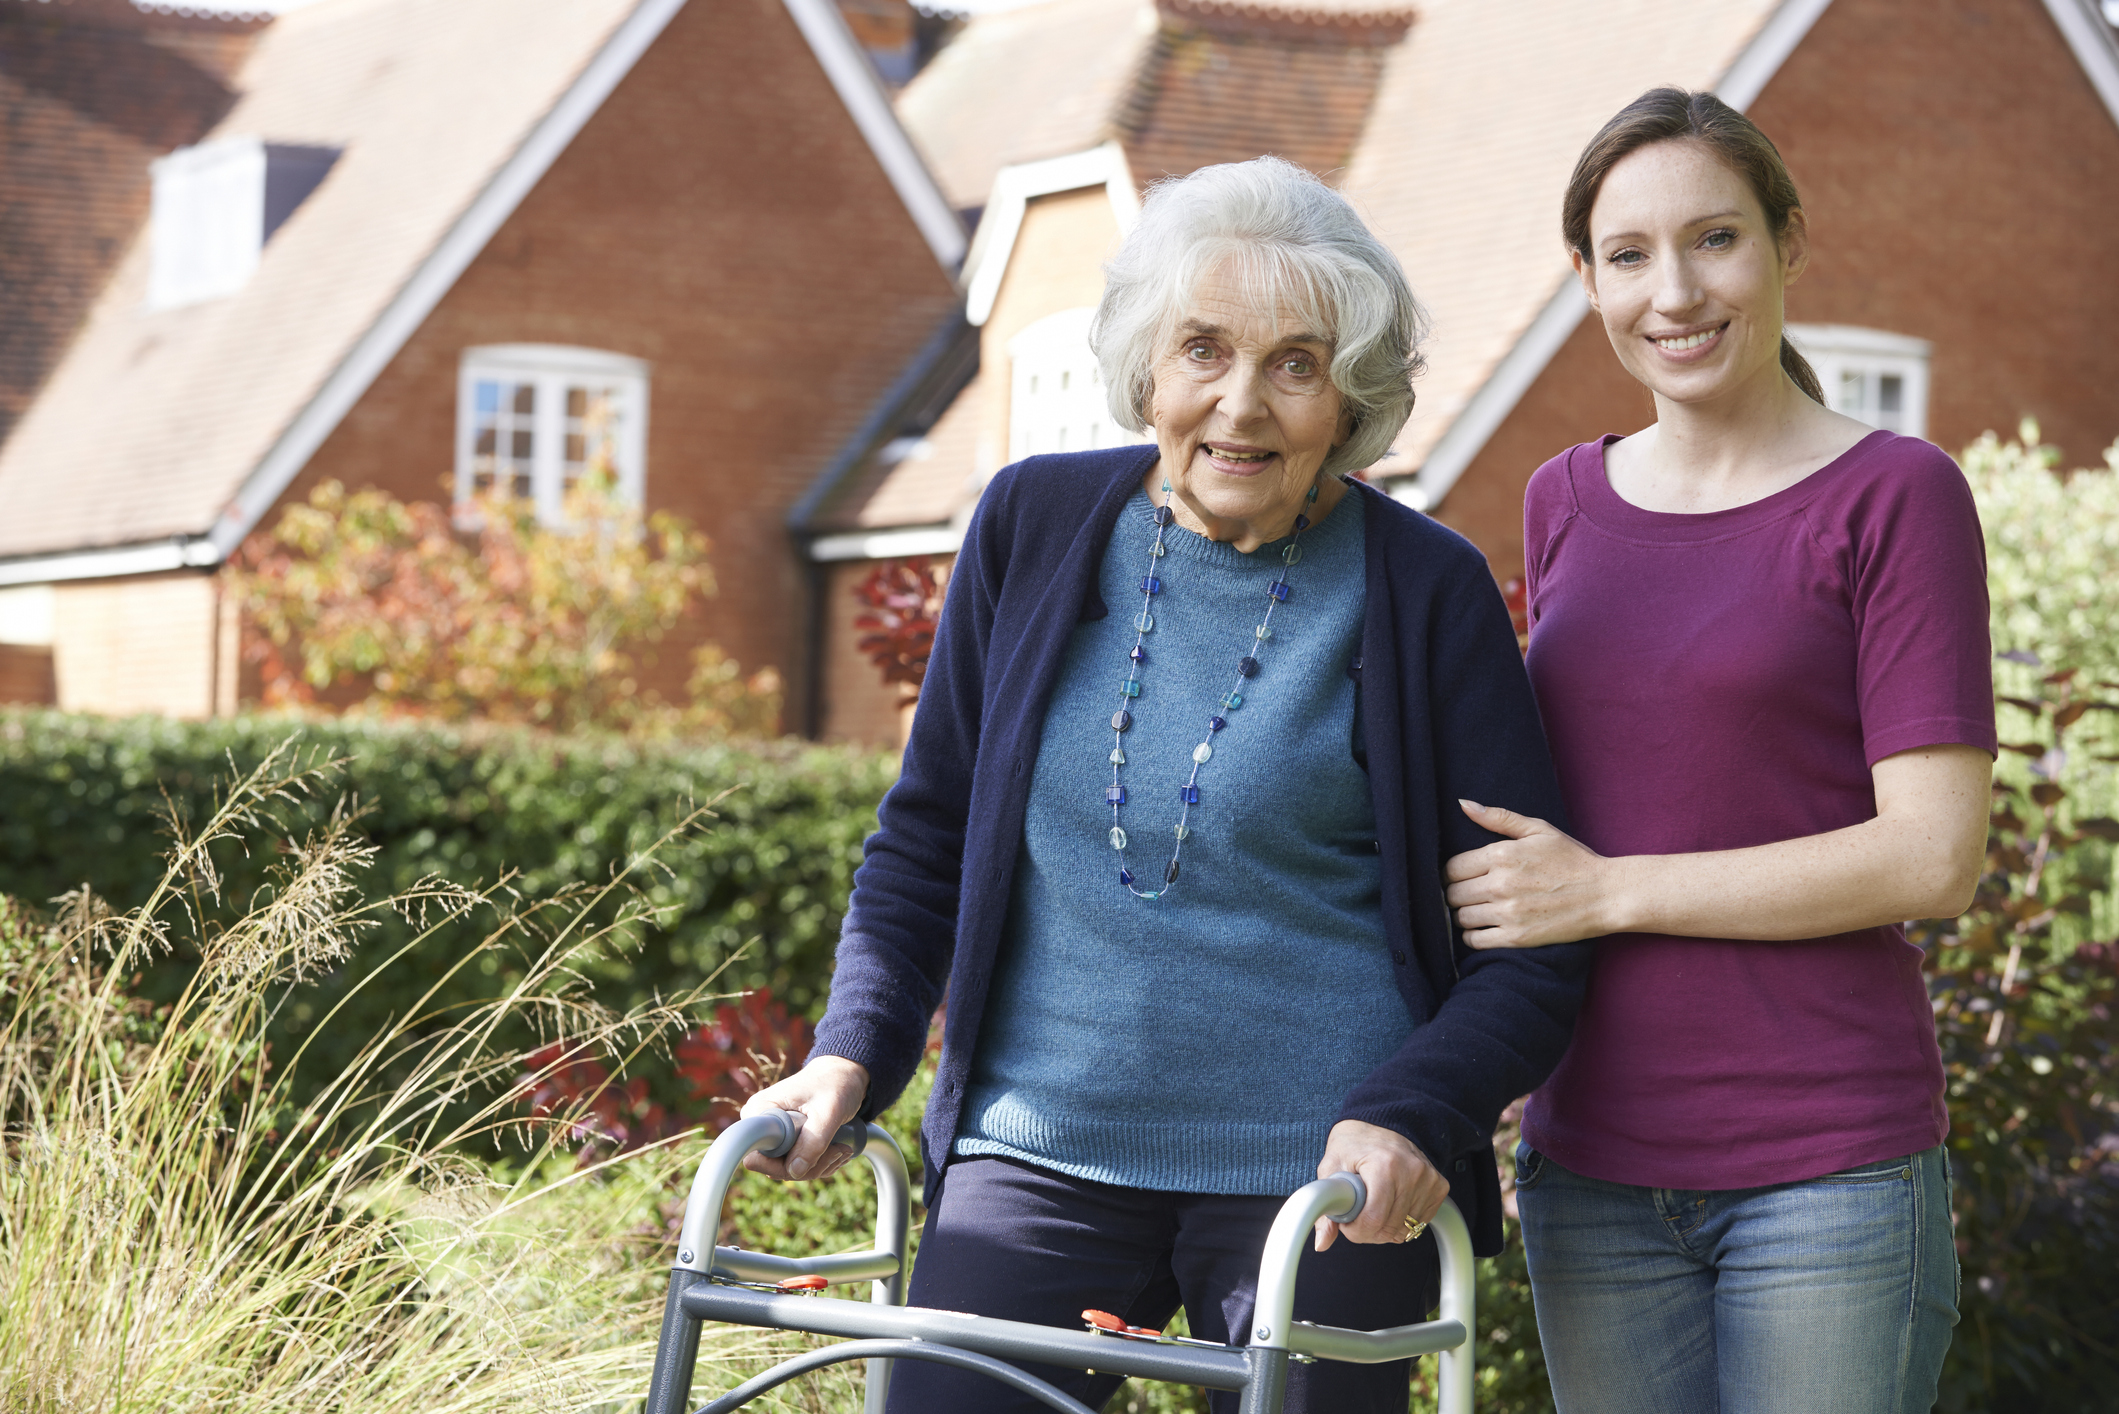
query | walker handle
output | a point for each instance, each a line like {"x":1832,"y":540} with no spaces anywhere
{"x":1360,"y":1201}
{"x":853,"y":1134}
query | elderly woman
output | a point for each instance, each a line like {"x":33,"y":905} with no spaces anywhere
{"x":1172,"y":823}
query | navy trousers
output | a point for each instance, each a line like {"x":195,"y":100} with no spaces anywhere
{"x":1017,"y":1242}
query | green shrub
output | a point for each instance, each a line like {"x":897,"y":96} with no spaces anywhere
{"x":86,"y":798}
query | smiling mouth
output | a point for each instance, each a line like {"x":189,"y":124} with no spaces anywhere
{"x":1684,"y":343}
{"x":1227,"y":454}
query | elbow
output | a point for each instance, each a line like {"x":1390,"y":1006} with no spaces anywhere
{"x":1949,"y":881}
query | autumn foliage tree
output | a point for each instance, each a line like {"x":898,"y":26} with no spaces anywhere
{"x":482,"y":610}
{"x":901,"y":602}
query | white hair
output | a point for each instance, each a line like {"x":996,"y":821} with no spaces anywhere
{"x":1296,"y":244}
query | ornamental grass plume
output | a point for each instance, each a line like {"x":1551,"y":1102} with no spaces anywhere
{"x":179,"y":1232}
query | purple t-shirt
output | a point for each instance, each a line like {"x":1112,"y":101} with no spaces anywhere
{"x":1727,"y":679}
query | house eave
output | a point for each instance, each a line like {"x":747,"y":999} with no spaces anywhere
{"x":178,"y":552}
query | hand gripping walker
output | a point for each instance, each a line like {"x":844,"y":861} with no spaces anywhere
{"x":728,"y":1284}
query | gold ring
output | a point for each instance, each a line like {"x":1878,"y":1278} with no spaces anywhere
{"x":1413,"y":1228}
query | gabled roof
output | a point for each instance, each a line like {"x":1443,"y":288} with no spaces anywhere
{"x":163,"y":436}
{"x":1024,"y":84}
{"x":1475,"y":130}
{"x":88,"y":95}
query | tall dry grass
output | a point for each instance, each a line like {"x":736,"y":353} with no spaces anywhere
{"x":184,"y":1228}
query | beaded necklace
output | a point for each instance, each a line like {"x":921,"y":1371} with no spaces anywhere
{"x":1129,"y":691}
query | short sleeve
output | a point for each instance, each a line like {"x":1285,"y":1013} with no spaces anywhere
{"x":1924,"y":662}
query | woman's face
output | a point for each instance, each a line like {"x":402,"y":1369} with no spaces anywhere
{"x":1686,"y":273}
{"x":1244,"y":412}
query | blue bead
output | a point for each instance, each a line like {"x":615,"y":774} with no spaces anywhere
{"x":1139,"y":654}
{"x":1130,"y":688}
{"x":1161,"y":515}
{"x":1114,"y":795}
{"x":1215,"y":724}
{"x":1170,"y":874}
{"x":1121,"y":719}
{"x":1188,"y":794}
{"x":1279,"y":590}
{"x":1125,"y":876}
{"x":1233,"y":701}
{"x":1248,"y":667}
{"x":1149,"y":584}
{"x":1302,"y":523}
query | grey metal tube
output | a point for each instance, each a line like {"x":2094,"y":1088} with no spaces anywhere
{"x":1339,"y":1197}
{"x":1459,"y":1304}
{"x":893,"y":1235}
{"x":1008,"y":1340}
{"x":882,"y":1352}
{"x":1375,"y":1347}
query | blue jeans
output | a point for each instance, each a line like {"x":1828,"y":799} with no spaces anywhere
{"x":1835,"y":1295}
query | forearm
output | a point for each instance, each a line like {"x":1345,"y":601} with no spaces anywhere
{"x":1866,"y":875}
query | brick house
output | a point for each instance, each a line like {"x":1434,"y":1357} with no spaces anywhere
{"x":402,"y":244}
{"x":1959,"y":164}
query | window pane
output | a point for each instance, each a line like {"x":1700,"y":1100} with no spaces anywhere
{"x":1850,"y":393}
{"x":484,"y":445}
{"x":519,"y":445}
{"x":525,"y":398}
{"x":577,"y":402}
{"x":1890,"y":393}
{"x":486,"y":398}
{"x":577,"y":448}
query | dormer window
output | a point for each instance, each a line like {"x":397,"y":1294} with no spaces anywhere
{"x":532,"y":419}
{"x":215,"y":206}
{"x":1056,"y":394}
{"x":1870,"y":375}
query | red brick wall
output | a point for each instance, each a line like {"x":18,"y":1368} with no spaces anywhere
{"x":26,"y":674}
{"x":722,"y":218}
{"x":1961,"y":180}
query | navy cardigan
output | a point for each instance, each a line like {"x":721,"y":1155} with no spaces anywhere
{"x":1447,"y":713}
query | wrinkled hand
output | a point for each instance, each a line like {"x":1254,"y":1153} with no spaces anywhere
{"x":1538,"y":886}
{"x":828,"y":1092}
{"x":1401,"y":1182}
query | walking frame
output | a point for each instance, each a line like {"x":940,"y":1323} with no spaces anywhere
{"x":737,"y":1287}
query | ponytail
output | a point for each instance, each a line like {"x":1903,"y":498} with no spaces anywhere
{"x":1798,"y":368}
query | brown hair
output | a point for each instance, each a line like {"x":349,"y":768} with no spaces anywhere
{"x":1664,"y":114}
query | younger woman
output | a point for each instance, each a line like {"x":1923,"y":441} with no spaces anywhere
{"x":1759,"y":641}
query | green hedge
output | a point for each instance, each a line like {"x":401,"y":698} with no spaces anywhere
{"x":82,"y":800}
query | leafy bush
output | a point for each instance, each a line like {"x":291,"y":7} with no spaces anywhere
{"x":2027,"y":996}
{"x":753,"y":902}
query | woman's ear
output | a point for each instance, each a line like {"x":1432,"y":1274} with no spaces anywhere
{"x":1588,"y":276}
{"x":1795,"y":247}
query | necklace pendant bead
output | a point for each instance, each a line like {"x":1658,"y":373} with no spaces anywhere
{"x":1279,"y":590}
{"x":1146,"y":622}
{"x":1170,"y":874}
{"x":1202,"y":752}
{"x":1302,"y":523}
{"x":1264,"y":633}
{"x":1114,"y":795}
{"x":1161,"y":515}
{"x":1118,"y":838}
{"x":1248,"y":666}
{"x":1233,"y":701}
{"x":1184,"y":832}
{"x":1149,"y":584}
{"x":1121,"y":719}
{"x":1130,"y":688}
{"x":1188,"y":794}
{"x":1160,"y":550}
{"x":1292,"y":555}
{"x":1125,"y":876}
{"x":1139,"y":654}
{"x":1118,"y":757}
{"x":1215,"y":724}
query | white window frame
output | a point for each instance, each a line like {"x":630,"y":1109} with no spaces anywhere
{"x":207,"y":226}
{"x":1056,"y":399}
{"x":551,"y":369}
{"x":1851,"y":363}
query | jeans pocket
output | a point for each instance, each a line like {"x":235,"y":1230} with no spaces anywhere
{"x":1530,"y":1165}
{"x":1874,"y":1172}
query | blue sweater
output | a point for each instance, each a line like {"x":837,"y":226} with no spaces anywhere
{"x":1107,"y":1050}
{"x":1446,"y":711}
